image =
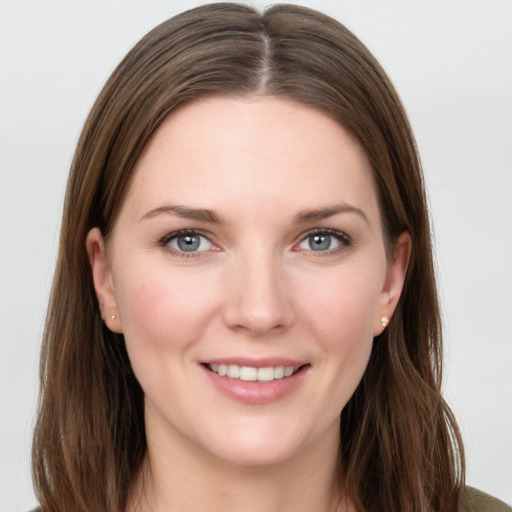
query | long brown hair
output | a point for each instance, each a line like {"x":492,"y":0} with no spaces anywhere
{"x":400,"y":446}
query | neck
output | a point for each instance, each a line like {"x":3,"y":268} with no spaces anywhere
{"x":178,"y":476}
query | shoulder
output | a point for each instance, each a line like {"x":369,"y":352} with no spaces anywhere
{"x":473,"y":500}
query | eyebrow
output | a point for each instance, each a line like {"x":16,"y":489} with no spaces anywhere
{"x":206,"y":215}
{"x":324,"y":213}
{"x":199,"y":214}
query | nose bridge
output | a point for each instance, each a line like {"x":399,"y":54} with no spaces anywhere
{"x":258,"y":300}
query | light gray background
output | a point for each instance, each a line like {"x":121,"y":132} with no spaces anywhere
{"x":451,"y":61}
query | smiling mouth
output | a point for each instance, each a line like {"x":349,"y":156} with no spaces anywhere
{"x":252,"y":374}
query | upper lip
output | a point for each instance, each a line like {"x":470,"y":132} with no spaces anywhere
{"x":264,"y":362}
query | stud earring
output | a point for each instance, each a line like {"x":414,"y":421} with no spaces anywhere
{"x":384,"y":321}
{"x":113,"y":317}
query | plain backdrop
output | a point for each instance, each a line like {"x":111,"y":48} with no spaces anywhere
{"x":451,"y":61}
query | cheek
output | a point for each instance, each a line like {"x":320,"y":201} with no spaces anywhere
{"x":345,"y":306}
{"x":160,"y":309}
{"x":342,"y":316}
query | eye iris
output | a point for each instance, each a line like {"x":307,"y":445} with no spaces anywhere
{"x":320,"y":242}
{"x":188,"y":243}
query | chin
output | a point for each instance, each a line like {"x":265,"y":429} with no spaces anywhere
{"x":257,"y":454}
{"x":260,"y":446}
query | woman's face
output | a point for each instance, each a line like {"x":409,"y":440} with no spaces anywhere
{"x":250,"y":242}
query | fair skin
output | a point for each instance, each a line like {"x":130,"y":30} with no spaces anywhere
{"x":251,"y":236}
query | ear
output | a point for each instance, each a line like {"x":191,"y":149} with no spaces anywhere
{"x":394,"y":282}
{"x":102,"y":278}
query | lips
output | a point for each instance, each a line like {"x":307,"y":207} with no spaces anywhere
{"x":256,"y":382}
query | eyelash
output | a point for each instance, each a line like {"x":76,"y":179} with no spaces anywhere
{"x":344,"y":240}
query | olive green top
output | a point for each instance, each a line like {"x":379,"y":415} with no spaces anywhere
{"x":473,"y":500}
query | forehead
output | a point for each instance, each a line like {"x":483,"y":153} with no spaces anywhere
{"x":251,"y":151}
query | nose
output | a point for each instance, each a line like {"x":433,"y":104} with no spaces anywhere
{"x":258,"y":298}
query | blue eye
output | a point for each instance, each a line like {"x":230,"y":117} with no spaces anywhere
{"x":324,"y":241}
{"x":187,"y":241}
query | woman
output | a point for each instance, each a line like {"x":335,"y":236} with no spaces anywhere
{"x":245,"y":254}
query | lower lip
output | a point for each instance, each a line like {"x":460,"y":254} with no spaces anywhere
{"x":256,"y":393}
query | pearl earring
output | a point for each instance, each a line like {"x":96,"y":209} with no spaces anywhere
{"x":384,"y":321}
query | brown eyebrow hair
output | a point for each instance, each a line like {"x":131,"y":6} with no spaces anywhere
{"x":200,"y":214}
{"x":206,"y":215}
{"x":324,"y":213}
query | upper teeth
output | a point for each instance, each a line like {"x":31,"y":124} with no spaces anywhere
{"x":249,"y":373}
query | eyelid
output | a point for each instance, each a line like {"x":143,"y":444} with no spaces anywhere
{"x":181,"y":232}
